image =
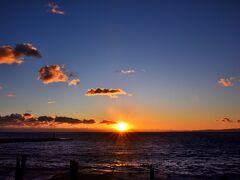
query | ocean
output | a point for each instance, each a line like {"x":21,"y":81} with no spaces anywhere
{"x":188,"y":154}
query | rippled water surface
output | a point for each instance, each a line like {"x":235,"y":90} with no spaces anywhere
{"x":171,"y":153}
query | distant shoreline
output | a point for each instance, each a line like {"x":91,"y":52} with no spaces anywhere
{"x":93,"y":131}
{"x":14,"y":140}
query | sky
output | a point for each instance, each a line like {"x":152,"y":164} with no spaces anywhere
{"x":156,"y":65}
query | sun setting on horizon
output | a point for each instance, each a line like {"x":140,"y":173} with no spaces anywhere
{"x":122,"y":127}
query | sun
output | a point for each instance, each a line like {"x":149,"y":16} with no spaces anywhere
{"x":122,"y":127}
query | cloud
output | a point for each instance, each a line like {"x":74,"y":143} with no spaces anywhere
{"x":12,"y":119}
{"x":88,"y":121}
{"x":28,"y":120}
{"x":227,"y":120}
{"x":11,"y":95}
{"x":51,"y":102}
{"x":108,"y":122}
{"x":73,"y":121}
{"x":27,"y":116}
{"x":128,"y":71}
{"x":67,"y":120}
{"x":26,"y":49}
{"x":225,"y":82}
{"x":11,"y":55}
{"x":54,"y":8}
{"x":52,"y":74}
{"x":45,"y":119}
{"x":7,"y":56}
{"x":74,"y":82}
{"x":113,"y":93}
{"x":228,"y":82}
{"x":1,"y":87}
{"x":236,"y":79}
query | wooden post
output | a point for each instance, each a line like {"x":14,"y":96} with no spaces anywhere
{"x":73,"y":170}
{"x":17,"y":174}
{"x":23,"y":164}
{"x":151,"y":172}
{"x":20,"y":167}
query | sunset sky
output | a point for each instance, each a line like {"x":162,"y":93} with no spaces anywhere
{"x":156,"y":65}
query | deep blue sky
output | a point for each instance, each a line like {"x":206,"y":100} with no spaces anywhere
{"x":184,"y":48}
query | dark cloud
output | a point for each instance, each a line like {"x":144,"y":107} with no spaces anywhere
{"x":55,"y":9}
{"x":67,"y":120}
{"x":108,"y":122}
{"x":113,"y":93}
{"x":88,"y":121}
{"x":12,"y":119}
{"x":28,"y":120}
{"x":45,"y":119}
{"x":26,"y":50}
{"x":11,"y":55}
{"x":227,"y":120}
{"x":73,"y":121}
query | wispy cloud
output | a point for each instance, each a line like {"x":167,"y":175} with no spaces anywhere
{"x":108,"y":122}
{"x":11,"y":95}
{"x":55,"y":9}
{"x":228,"y":120}
{"x":130,"y":71}
{"x":15,"y":55}
{"x":228,"y":82}
{"x":28,"y":120}
{"x":127,"y":71}
{"x":51,"y":102}
{"x":74,"y":82}
{"x":225,"y":82}
{"x":111,"y":92}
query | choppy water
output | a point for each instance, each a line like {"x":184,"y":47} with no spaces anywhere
{"x":194,"y":154}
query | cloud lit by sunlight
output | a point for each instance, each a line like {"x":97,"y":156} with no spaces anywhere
{"x":15,"y":55}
